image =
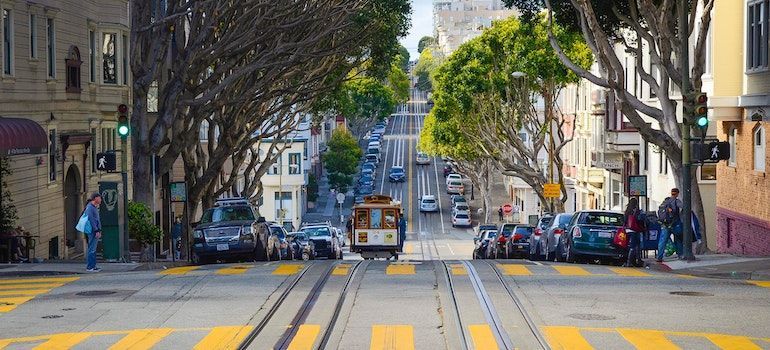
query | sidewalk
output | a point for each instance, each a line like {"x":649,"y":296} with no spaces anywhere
{"x":326,"y":207}
{"x":717,"y":266}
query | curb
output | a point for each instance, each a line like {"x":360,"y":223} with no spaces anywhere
{"x":658,"y":266}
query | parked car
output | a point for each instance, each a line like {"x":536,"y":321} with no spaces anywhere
{"x":367,"y":172}
{"x":498,"y":249}
{"x":428,"y":203}
{"x":455,"y":187}
{"x":485,"y":226}
{"x":279,"y":235}
{"x":422,"y":159}
{"x":459,"y":219}
{"x":324,"y":238}
{"x":365,"y":190}
{"x":397,"y":174}
{"x":590,"y":234}
{"x":231,"y":229}
{"x":340,"y":236}
{"x":461,"y":208}
{"x":534,"y":239}
{"x":303,"y":247}
{"x":447,"y":169}
{"x":366,"y":179}
{"x":373,"y":158}
{"x":517,"y":244}
{"x":549,"y":238}
{"x":453,"y":177}
{"x":370,"y":166}
{"x":481,"y":241}
{"x":458,"y":198}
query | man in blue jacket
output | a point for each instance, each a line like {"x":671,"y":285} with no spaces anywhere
{"x":93,"y":230}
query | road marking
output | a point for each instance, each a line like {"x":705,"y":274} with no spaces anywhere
{"x":224,"y":338}
{"x":629,"y":272}
{"x":17,"y":291}
{"x":63,"y":341}
{"x":305,"y":337}
{"x":141,"y":339}
{"x":392,"y":337}
{"x":732,"y":342}
{"x":234,"y":270}
{"x":482,"y":337}
{"x":571,"y":271}
{"x":458,"y":269}
{"x":409,"y":223}
{"x":408,"y":248}
{"x":39,"y":280}
{"x":341,"y":270}
{"x":566,"y":338}
{"x":647,"y":339}
{"x":400,"y":269}
{"x":514,"y":270}
{"x":182,"y":270}
{"x":287,"y":269}
{"x":30,"y":286}
{"x":8,"y":304}
{"x":765,"y":284}
{"x":23,"y":292}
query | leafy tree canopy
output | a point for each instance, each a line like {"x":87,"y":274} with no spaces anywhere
{"x":402,"y":59}
{"x":430,"y":59}
{"x":567,"y":17}
{"x":341,"y":159}
{"x":426,"y":42}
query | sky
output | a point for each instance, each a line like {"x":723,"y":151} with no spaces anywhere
{"x":422,"y":25}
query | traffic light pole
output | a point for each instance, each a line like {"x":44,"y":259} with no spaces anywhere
{"x":684,"y":60}
{"x":124,"y":178}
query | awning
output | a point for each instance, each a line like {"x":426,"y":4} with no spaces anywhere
{"x":21,"y":136}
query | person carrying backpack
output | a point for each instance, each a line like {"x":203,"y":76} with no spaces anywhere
{"x":669,"y":216}
{"x":91,"y":226}
{"x":635,"y":226}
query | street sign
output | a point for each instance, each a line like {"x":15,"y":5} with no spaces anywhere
{"x":340,"y":198}
{"x":507,"y":209}
{"x":637,"y":185}
{"x":551,"y":190}
{"x":178,"y":192}
{"x":711,"y":152}
{"x":106,"y":161}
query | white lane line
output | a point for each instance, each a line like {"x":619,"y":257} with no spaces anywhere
{"x":438,"y":195}
{"x":452,"y":251}
{"x":385,"y":159}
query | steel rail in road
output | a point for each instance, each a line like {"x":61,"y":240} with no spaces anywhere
{"x":530,"y":322}
{"x":341,"y":300}
{"x":488,"y":308}
{"x":464,"y":337}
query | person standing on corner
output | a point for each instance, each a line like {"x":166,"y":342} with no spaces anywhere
{"x":669,"y":215}
{"x":93,"y":230}
{"x":634,"y":224}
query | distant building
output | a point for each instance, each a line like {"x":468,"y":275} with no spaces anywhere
{"x":457,"y":21}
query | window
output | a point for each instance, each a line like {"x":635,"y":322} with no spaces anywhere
{"x":152,"y":99}
{"x":665,"y":166}
{"x":73,"y":63}
{"x":203,"y":135}
{"x":375,"y":218}
{"x":7,"y":42}
{"x":283,"y":205}
{"x":109,"y":137}
{"x":91,"y":56}
{"x":756,"y":34}
{"x":362,"y":218}
{"x":760,"y":143}
{"x":275,"y":169}
{"x":52,"y":155}
{"x":109,"y":60}
{"x":32,"y":36}
{"x":708,"y":172}
{"x":731,"y":137}
{"x":295,"y":165}
{"x":50,"y":45}
{"x":124,"y":63}
{"x":660,"y":162}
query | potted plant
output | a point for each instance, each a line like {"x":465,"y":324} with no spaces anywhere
{"x":142,"y":229}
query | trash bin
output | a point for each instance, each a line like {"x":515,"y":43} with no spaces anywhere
{"x":650,"y":237}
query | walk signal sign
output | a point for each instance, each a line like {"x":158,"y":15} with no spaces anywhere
{"x":106,"y":161}
{"x":711,"y":152}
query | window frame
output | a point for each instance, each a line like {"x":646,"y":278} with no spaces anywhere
{"x":7,"y":46}
{"x":50,"y":37}
{"x":91,"y":56}
{"x":365,"y":212}
{"x":114,"y":58}
{"x":33,"y":36}
{"x":759,"y":145}
{"x":732,"y":139}
{"x":298,"y":157}
{"x":52,"y":151}
{"x":757,"y":57}
{"x":124,"y":58}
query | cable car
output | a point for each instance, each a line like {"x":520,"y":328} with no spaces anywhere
{"x":376,"y":228}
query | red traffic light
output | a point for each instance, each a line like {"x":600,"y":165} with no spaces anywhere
{"x":122,"y":109}
{"x":701,"y":98}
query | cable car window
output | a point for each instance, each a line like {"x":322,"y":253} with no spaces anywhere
{"x":390,"y":218}
{"x":375,"y":218}
{"x":362,"y":218}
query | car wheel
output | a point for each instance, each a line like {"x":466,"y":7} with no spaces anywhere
{"x":559,"y":254}
{"x":305,"y":256}
{"x":570,"y":255}
{"x":199,"y":260}
{"x":536,"y":255}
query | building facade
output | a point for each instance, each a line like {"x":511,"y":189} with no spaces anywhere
{"x":284,"y":186}
{"x":64,"y":67}
{"x":457,"y":21}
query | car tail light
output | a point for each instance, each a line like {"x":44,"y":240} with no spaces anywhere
{"x":538,"y":232}
{"x":501,"y":239}
{"x":558,"y":231}
{"x":517,"y":237}
{"x":576,"y":233}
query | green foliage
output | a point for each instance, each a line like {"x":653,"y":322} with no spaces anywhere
{"x":429,"y":61}
{"x":8,"y":215}
{"x":426,"y":42}
{"x":566,"y":16}
{"x":398,"y":80}
{"x":391,"y":19}
{"x":402,"y":59}
{"x":312,"y":188}
{"x":341,"y":159}
{"x":140,"y":224}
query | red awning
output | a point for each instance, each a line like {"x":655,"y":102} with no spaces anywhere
{"x":21,"y":136}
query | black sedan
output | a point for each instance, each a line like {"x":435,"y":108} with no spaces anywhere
{"x":481,"y":243}
{"x":397,"y":174}
{"x":518,"y":243}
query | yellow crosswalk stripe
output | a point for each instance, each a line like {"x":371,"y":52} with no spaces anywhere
{"x":63,"y":341}
{"x":458,"y":269}
{"x":38,"y":280}
{"x":408,"y":248}
{"x":234,"y":270}
{"x":571,"y":271}
{"x":392,"y":337}
{"x":305,"y":337}
{"x":9,"y":303}
{"x":140,"y":339}
{"x":182,"y":270}
{"x":629,"y":272}
{"x":23,"y":292}
{"x":287,"y":269}
{"x":732,"y":342}
{"x":765,"y":284}
{"x":224,"y":338}
{"x":400,"y":269}
{"x":341,"y":270}
{"x":514,"y":270}
{"x":30,"y":286}
{"x":647,"y":339}
{"x":566,"y":338}
{"x":482,"y":337}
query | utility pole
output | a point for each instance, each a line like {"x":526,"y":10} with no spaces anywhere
{"x":123,"y":130}
{"x":684,"y":61}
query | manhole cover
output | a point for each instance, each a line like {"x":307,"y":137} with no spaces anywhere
{"x":95,"y":293}
{"x":52,"y":316}
{"x":591,"y":317}
{"x":68,"y":309}
{"x":692,"y":294}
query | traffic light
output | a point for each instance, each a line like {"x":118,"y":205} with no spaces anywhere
{"x":123,"y":127}
{"x":700,"y":110}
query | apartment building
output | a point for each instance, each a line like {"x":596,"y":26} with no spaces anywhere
{"x":63,"y":72}
{"x":457,"y":21}
{"x":741,"y":104}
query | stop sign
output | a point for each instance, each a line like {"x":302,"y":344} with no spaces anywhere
{"x":507,"y":208}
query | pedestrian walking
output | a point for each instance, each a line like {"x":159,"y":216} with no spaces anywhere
{"x":402,"y":230}
{"x":696,"y":232}
{"x":176,"y":237}
{"x":91,"y":226}
{"x":500,"y":213}
{"x":634,"y":220}
{"x":669,"y":216}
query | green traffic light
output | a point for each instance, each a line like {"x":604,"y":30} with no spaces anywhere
{"x":703,"y":121}
{"x":123,"y":130}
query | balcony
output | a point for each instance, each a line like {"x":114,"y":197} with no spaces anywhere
{"x":623,"y":140}
{"x":595,"y":177}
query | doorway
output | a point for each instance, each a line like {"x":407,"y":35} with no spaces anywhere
{"x":72,"y":209}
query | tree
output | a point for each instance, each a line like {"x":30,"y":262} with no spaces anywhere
{"x":341,"y":159}
{"x":363,"y":101}
{"x":478,"y":101}
{"x":402,"y":60}
{"x":648,"y":31}
{"x":426,"y":42}
{"x":398,"y":81}
{"x":142,"y":229}
{"x":8,"y":214}
{"x":430,"y":59}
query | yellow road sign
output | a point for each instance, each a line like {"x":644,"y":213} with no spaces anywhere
{"x":551,"y":190}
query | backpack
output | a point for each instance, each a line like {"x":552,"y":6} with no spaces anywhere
{"x":636,"y":222}
{"x":668,"y":212}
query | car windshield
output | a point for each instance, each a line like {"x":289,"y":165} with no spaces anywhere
{"x":276,"y":231}
{"x":396,"y":170}
{"x":462,"y":207}
{"x":507,"y":229}
{"x":455,"y":183}
{"x":300,"y":237}
{"x":491,"y":234}
{"x":429,"y":200}
{"x":221,"y":214}
{"x":316,"y":231}
{"x":608,"y":219}
{"x":460,"y":199}
{"x":564,"y":219}
{"x":544,"y":222}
